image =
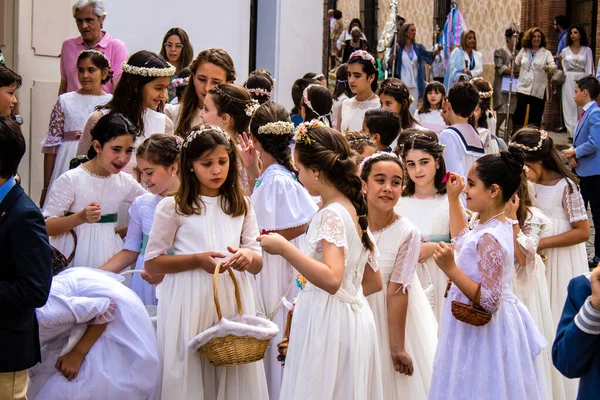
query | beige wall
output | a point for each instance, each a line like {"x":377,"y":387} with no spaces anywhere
{"x":418,"y":12}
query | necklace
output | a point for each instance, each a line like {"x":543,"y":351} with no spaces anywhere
{"x":497,"y":215}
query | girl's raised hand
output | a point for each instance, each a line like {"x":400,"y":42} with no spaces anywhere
{"x":248,"y":152}
{"x":272,"y":243}
{"x":454,"y":185}
{"x":241,"y":259}
{"x":511,"y":207}
{"x":444,"y":256}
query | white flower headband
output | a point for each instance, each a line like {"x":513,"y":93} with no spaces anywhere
{"x":179,"y":82}
{"x":94,"y":51}
{"x":251,"y":107}
{"x":304,"y":128}
{"x":204,"y":128}
{"x":543,"y":136}
{"x":309,"y":104}
{"x":365,"y":55}
{"x":277,"y":128}
{"x":179,"y":142}
{"x":260,"y":92}
{"x":149,"y":72}
{"x":375,"y":155}
{"x":482,"y":95}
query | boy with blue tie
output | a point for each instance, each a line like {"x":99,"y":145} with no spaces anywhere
{"x":584,"y":156}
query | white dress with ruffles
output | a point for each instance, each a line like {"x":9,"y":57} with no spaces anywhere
{"x":186,"y":306}
{"x":399,"y":246}
{"x":353,"y":113}
{"x":280,"y":202}
{"x":333,"y":351}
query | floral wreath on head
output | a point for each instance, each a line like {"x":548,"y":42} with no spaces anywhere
{"x":277,"y":128}
{"x":365,"y":55}
{"x":308,"y":104}
{"x":251,"y":107}
{"x":179,"y":82}
{"x":482,"y":95}
{"x":304,"y":128}
{"x":403,"y":89}
{"x":152,"y":72}
{"x":94,"y":51}
{"x":543,"y":136}
{"x":260,"y":92}
{"x":179,"y":141}
{"x":201,"y":130}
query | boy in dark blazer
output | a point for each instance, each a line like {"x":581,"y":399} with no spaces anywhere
{"x":576,"y":349}
{"x":25,"y":268}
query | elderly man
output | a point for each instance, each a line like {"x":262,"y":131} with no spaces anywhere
{"x":89,"y":16}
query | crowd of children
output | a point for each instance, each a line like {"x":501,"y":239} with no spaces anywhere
{"x":436,"y":266}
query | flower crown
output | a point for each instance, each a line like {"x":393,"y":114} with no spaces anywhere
{"x":308,"y":103}
{"x":149,"y":72}
{"x":482,"y":95}
{"x":401,"y":88}
{"x":179,"y":82}
{"x":260,"y":92}
{"x":543,"y":136}
{"x":277,"y":128}
{"x":251,"y":107}
{"x":202,"y":129}
{"x":304,"y":128}
{"x":354,"y":137}
{"x":94,"y":51}
{"x":365,"y":55}
{"x":179,"y":142}
{"x":374,"y":156}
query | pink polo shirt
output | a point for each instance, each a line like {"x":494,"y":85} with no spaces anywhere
{"x":114,"y":49}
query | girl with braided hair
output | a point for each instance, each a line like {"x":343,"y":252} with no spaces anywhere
{"x":283,"y":206}
{"x":332,"y":319}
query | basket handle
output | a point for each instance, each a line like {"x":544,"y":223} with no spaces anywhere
{"x":238,"y":300}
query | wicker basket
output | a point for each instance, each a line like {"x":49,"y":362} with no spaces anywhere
{"x":471,"y":314}
{"x":232,"y":350}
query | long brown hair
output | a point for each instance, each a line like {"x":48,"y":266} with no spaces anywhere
{"x":189,"y":102}
{"x":427,"y":142}
{"x":525,"y":202}
{"x":187,"y":52}
{"x":233,"y":100}
{"x":395,"y":88}
{"x":201,"y":139}
{"x":327,"y":151}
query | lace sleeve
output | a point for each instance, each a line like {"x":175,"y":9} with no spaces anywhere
{"x":573,"y":203}
{"x":527,"y":239}
{"x":458,"y":241}
{"x":250,"y":232}
{"x":164,"y":229}
{"x":55,"y":130}
{"x":85,"y":141}
{"x":406,"y":260}
{"x":107,"y":316}
{"x":329,"y":227}
{"x":490,"y":261}
{"x":60,"y":198}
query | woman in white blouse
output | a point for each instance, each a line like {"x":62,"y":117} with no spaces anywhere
{"x":577,"y":62}
{"x":464,"y":60}
{"x":535,"y":63}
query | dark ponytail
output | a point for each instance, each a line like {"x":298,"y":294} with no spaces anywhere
{"x":107,"y":128}
{"x":328,"y":151}
{"x":504,"y":169}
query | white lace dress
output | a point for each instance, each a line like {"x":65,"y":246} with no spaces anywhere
{"x":72,"y":192}
{"x":280,"y":202}
{"x":431,"y":217}
{"x":67,"y":121}
{"x":186,"y":306}
{"x":333,"y":351}
{"x":398,"y":246}
{"x":122,"y":364}
{"x":141,"y":215}
{"x":496,"y":360}
{"x":353,"y":113}
{"x":530,"y":286}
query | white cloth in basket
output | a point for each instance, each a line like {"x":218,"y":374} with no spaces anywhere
{"x":240,"y":325}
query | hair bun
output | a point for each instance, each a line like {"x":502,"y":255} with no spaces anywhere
{"x":514,"y":158}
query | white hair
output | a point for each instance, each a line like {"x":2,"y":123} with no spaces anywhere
{"x":97,"y":6}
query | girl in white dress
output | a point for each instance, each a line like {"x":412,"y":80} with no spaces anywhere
{"x":207,"y":221}
{"x":142,"y":89}
{"x":97,"y":342}
{"x":529,"y":282}
{"x":332,"y":351}
{"x":424,"y":202}
{"x":70,"y":113}
{"x":553,"y":189}
{"x":405,"y":321}
{"x":341,"y":93}
{"x":496,"y":360}
{"x":158,"y":163}
{"x":211,"y":68}
{"x":362,"y":79}
{"x":282,"y":206}
{"x":577,"y":61}
{"x":86,"y":199}
{"x":230,"y":107}
{"x":429,"y":115}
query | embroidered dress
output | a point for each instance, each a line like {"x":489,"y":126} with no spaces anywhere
{"x":563,"y":207}
{"x":530,"y":286}
{"x":333,"y":351}
{"x":431,"y":217}
{"x":398,"y":245}
{"x":122,"y":364}
{"x":497,"y":360}
{"x":280,"y":203}
{"x":187,"y":307}
{"x":576,"y":66}
{"x":141,"y":215}
{"x":72,"y":192}
{"x":353,"y":113}
{"x":431,"y":120}
{"x":67,"y":121}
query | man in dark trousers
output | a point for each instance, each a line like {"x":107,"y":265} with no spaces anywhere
{"x":25,"y":268}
